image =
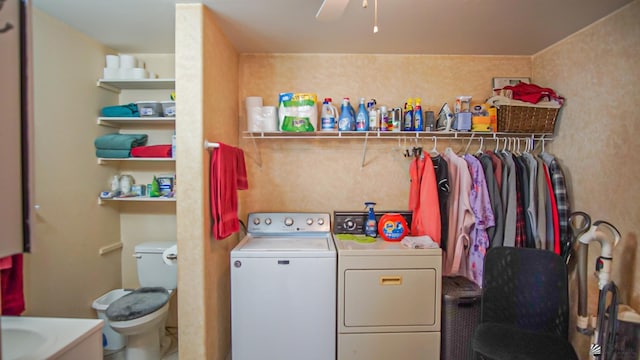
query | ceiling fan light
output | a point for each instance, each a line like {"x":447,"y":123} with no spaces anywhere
{"x":375,"y":29}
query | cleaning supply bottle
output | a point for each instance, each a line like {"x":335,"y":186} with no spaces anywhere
{"x":384,"y":118}
{"x":371,"y":226}
{"x":328,"y":116}
{"x":362,"y":117}
{"x":373,"y":115}
{"x":407,"y":124}
{"x":347,"y":121}
{"x":418,"y":119}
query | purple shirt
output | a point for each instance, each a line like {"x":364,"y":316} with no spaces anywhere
{"x":481,"y":207}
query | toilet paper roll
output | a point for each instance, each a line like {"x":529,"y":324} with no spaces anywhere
{"x":110,"y":73}
{"x":138,"y":73}
{"x":113,"y":61}
{"x":170,"y":255}
{"x":127,"y":61}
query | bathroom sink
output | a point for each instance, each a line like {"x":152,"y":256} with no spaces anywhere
{"x":25,"y":338}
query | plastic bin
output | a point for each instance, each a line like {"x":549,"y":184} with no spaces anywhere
{"x":168,"y":108}
{"x":149,"y":108}
{"x":112,"y":340}
{"x":460,"y":316}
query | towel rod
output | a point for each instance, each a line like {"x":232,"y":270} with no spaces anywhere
{"x":210,"y":145}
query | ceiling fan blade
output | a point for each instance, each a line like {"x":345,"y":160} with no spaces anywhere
{"x":331,"y":10}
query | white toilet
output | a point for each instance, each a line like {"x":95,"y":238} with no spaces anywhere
{"x":141,"y":314}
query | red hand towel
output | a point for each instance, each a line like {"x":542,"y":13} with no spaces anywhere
{"x":228,"y":175}
{"x":12,"y":287}
{"x":152,"y":151}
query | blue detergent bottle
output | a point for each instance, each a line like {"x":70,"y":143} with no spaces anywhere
{"x":346,"y":121}
{"x":371,"y":226}
{"x":362,"y":117}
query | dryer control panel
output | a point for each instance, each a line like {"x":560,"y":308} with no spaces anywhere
{"x":352,"y":222}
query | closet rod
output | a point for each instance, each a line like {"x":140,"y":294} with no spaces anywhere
{"x":210,"y":145}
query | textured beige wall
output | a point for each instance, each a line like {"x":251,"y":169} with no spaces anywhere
{"x":206,"y":87}
{"x":327,"y":175}
{"x":596,"y":69}
{"x":64,"y":273}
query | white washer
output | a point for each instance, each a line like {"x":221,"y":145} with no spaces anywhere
{"x":283,"y":289}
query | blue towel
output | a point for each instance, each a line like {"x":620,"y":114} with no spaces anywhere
{"x":129,"y":110}
{"x":120,"y":141}
{"x":113,"y":154}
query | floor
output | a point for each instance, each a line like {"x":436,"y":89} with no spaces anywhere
{"x":170,"y":344}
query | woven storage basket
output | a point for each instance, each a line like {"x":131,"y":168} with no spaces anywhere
{"x":526,"y":119}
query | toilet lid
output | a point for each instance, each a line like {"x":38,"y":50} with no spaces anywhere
{"x":137,"y":303}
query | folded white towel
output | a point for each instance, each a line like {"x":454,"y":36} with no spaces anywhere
{"x":419,"y":242}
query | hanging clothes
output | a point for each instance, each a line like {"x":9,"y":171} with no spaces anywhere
{"x":555,"y":224}
{"x":483,"y":215}
{"x":532,"y":207}
{"x":509,"y":198}
{"x":496,"y":233}
{"x":562,"y":199}
{"x":423,"y":199}
{"x":441,"y":169}
{"x":461,"y":218}
{"x":543,"y":195}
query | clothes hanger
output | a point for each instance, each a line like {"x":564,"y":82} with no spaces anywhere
{"x":481,"y":146}
{"x":434,"y":150}
{"x":466,"y":149}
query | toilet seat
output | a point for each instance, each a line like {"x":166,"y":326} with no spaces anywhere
{"x":138,"y":303}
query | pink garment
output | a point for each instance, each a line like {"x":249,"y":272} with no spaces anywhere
{"x":423,"y":199}
{"x":533,"y":93}
{"x":12,"y":286}
{"x":228,"y":174}
{"x":461,"y":218}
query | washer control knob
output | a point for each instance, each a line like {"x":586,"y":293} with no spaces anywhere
{"x":256,"y":221}
{"x":309,"y":221}
{"x":267,"y":221}
{"x":320,"y":221}
{"x":349,"y":224}
{"x":288,"y":221}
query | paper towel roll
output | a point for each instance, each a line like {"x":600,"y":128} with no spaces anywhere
{"x":170,"y":255}
{"x":254,"y":112}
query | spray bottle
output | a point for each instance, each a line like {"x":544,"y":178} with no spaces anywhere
{"x":408,"y":124}
{"x":418,"y":120}
{"x":371,"y":226}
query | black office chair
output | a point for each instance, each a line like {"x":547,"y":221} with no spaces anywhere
{"x":524,"y":307}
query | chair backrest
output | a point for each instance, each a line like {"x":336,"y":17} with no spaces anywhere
{"x":526,"y":288}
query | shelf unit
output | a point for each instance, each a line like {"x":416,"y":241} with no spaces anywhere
{"x":394,"y":135}
{"x":116,"y":85}
{"x":135,"y":199}
{"x":118,"y":122}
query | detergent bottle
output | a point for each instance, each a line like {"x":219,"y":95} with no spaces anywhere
{"x":371,"y":226}
{"x":407,"y":124}
{"x":362,"y":117}
{"x":418,"y":119}
{"x":347,"y":121}
{"x":329,"y":116}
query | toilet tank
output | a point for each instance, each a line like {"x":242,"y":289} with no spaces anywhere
{"x":152,"y":270}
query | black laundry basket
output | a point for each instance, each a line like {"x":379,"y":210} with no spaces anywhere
{"x":460,"y":316}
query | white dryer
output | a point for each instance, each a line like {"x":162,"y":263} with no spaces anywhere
{"x":283,"y":289}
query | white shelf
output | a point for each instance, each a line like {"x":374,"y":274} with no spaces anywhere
{"x":138,"y":199}
{"x":124,"y":121}
{"x":116,"y":85}
{"x":391,"y":135}
{"x":135,"y":159}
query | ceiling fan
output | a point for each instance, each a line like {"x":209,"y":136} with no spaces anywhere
{"x":331,"y":10}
